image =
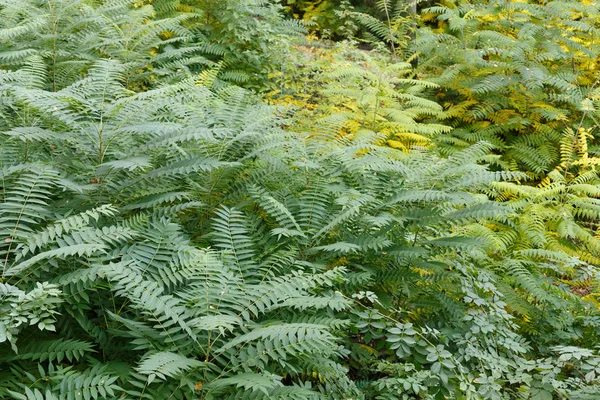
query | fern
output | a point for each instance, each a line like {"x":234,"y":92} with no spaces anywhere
{"x":167,"y":234}
{"x":120,"y":250}
{"x":508,"y":82}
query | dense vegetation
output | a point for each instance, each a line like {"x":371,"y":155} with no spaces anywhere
{"x":305,"y":199}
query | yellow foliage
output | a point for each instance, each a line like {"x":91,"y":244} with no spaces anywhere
{"x":343,"y":91}
{"x":397,"y":145}
{"x":421,"y":271}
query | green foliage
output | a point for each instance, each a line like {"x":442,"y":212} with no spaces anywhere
{"x":326,"y":18}
{"x":516,"y":74}
{"x":165,"y":234}
{"x":60,"y":40}
{"x":144,"y":310}
{"x":156,"y":41}
{"x":394,"y":26}
{"x":244,"y":40}
{"x":21,"y":309}
{"x":348,"y":92}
